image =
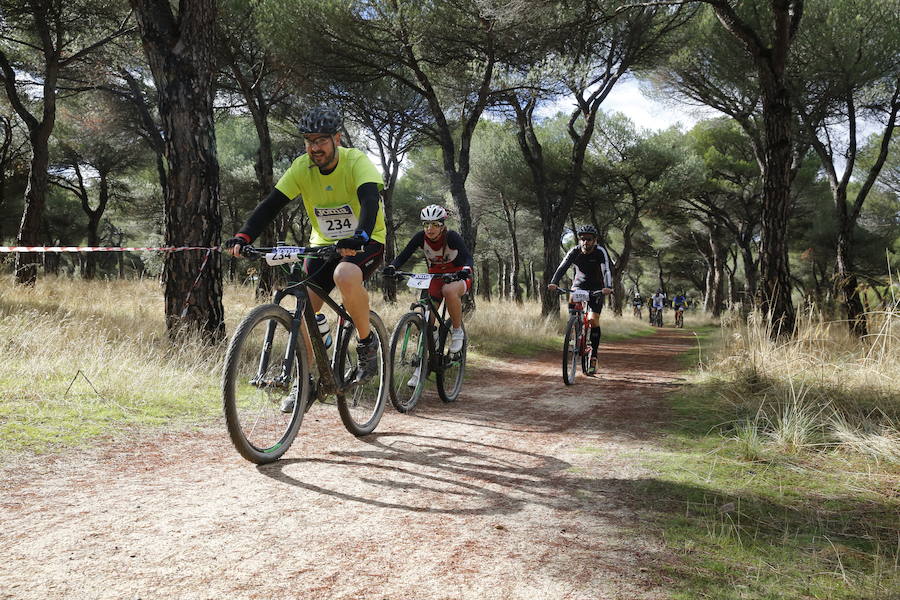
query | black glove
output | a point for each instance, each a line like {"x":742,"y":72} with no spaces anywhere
{"x":357,"y":242}
{"x":235,"y":241}
{"x":389,"y":271}
{"x":463,"y":275}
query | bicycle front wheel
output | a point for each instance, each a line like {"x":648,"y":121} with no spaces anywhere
{"x":362,"y":405}
{"x":408,"y":365}
{"x":570,"y":350}
{"x":449,"y":378}
{"x":586,"y":354}
{"x":257,"y":385}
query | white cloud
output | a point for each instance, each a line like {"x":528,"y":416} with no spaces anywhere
{"x":627,"y":98}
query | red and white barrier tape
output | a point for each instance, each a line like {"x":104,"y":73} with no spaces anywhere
{"x":7,"y":249}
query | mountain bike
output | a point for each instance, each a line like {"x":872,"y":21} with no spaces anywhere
{"x":267,"y":366}
{"x":656,"y":316}
{"x":679,"y":316}
{"x":420,"y":344}
{"x":638,"y":313}
{"x":576,"y":343}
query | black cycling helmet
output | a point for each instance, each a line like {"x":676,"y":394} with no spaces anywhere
{"x":321,"y":119}
{"x":589,"y":229}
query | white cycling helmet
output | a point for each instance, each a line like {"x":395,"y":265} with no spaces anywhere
{"x":433,"y":212}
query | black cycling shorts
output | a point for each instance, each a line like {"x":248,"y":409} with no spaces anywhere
{"x":322,"y":274}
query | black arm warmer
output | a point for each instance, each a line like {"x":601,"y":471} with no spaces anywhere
{"x":264,"y":213}
{"x":368,"y":207}
{"x":414,"y":244}
{"x":564,"y":266}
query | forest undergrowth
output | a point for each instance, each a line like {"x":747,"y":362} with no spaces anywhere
{"x":780,"y":476}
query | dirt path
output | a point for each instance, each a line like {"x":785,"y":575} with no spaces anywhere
{"x":524,"y":489}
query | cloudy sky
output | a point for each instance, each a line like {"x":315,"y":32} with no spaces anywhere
{"x":626,"y":97}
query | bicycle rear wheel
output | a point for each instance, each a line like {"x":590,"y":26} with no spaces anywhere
{"x":449,"y":378}
{"x":408,"y":354}
{"x":254,"y":385}
{"x":361,"y":407}
{"x":570,"y":350}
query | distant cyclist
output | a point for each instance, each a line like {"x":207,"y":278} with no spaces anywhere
{"x":679,"y":303}
{"x":446,"y":253}
{"x":657,"y":303}
{"x":638,"y":303}
{"x":593,"y":271}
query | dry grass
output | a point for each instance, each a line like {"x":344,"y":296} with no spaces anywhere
{"x":823,"y":387}
{"x":503,"y":327}
{"x":84,"y":359}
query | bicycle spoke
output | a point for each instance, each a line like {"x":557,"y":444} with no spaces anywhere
{"x":255,"y":388}
{"x":361,"y":406}
{"x":408,"y":370}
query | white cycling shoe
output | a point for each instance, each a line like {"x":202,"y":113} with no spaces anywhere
{"x":457,"y":337}
{"x":414,"y":380}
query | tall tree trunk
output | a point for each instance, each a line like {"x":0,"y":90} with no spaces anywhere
{"x":846,"y":283}
{"x":484,"y":282}
{"x":389,"y":284}
{"x":749,"y":270}
{"x":718,"y":274}
{"x":733,"y":296}
{"x":775,"y":301}
{"x":35,"y":200}
{"x":771,"y":60}
{"x":515,"y":273}
{"x":93,"y":239}
{"x":551,"y":233}
{"x":659,"y":273}
{"x":264,"y":168}
{"x":180,"y":53}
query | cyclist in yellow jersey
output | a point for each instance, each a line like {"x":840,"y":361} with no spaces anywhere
{"x":340,"y":190}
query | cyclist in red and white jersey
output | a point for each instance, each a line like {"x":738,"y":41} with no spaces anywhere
{"x":445,"y":252}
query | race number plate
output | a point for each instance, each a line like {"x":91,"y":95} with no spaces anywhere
{"x":336,"y":223}
{"x":284,"y":255}
{"x":580,"y":296}
{"x":420,"y":281}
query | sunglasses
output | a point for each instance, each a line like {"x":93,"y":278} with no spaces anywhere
{"x":587,"y":238}
{"x":427,"y":224}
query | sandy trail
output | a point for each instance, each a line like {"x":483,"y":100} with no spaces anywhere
{"x":524,"y":489}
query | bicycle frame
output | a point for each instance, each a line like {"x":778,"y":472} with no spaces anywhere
{"x":327,"y":382}
{"x":429,"y":309}
{"x":304,"y":312}
{"x":586,"y":325}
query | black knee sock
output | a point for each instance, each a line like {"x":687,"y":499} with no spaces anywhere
{"x":595,"y":337}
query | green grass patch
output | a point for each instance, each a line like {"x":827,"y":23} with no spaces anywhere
{"x":807,"y":523}
{"x":707,"y":338}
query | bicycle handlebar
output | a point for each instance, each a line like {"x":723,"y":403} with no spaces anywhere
{"x":282,"y":254}
{"x":594,"y":294}
{"x":447,"y":277}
